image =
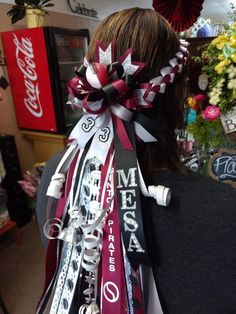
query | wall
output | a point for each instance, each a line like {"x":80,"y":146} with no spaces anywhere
{"x":7,"y":116}
{"x":216,"y":10}
{"x":103,"y":7}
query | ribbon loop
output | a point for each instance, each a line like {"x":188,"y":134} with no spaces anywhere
{"x":115,"y":70}
{"x":81,"y":70}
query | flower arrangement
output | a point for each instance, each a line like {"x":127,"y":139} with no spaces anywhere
{"x":31,"y":180}
{"x":204,"y":125}
{"x":205,"y":111}
{"x":219,"y":64}
{"x":29,"y":184}
{"x":203,"y":122}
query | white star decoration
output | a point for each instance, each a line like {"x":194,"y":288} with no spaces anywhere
{"x":90,"y":280}
{"x":105,"y":56}
{"x":129,"y":68}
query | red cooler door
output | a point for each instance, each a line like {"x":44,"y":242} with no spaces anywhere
{"x":27,"y":65}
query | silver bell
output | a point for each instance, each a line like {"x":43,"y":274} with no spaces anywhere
{"x":93,"y":309}
{"x":89,"y":309}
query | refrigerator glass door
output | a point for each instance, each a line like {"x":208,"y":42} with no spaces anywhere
{"x":71,"y":49}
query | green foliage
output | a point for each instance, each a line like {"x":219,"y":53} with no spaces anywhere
{"x":18,"y":10}
{"x":207,"y":133}
{"x":17,"y":13}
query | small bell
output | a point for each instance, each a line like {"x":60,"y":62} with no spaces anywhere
{"x":83,"y":309}
{"x":93,"y":309}
{"x":55,"y":186}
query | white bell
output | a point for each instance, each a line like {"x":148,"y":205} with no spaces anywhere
{"x":55,"y":186}
{"x":161,"y":194}
{"x":93,"y":309}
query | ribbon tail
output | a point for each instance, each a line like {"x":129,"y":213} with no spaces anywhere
{"x":143,"y":134}
{"x":129,"y":202}
{"x":101,"y":143}
{"x":112,"y":263}
{"x":122,"y":134}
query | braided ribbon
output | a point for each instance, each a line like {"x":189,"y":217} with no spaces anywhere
{"x":99,"y":181}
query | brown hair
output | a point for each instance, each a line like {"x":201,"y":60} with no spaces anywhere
{"x":153,"y":42}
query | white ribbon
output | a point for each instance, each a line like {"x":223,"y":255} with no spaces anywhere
{"x":101,"y":143}
{"x":84,"y":129}
{"x":160,"y":193}
{"x":179,"y":55}
{"x":58,"y":179}
{"x":143,"y":134}
{"x":139,"y":93}
{"x":167,"y":71}
{"x":156,"y":80}
{"x":121,"y":112}
{"x":99,"y":125}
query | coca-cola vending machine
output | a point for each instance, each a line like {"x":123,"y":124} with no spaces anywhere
{"x":40,"y":61}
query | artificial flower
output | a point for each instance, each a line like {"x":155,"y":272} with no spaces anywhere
{"x":221,"y":57}
{"x":192,"y":103}
{"x":231,"y":71}
{"x":191,"y":116}
{"x":220,"y":41}
{"x":211,"y":113}
{"x":232,"y":41}
{"x":199,"y":97}
{"x":222,"y":66}
{"x":232,"y":84}
{"x":31,"y":180}
{"x":233,"y":57}
{"x":233,"y":26}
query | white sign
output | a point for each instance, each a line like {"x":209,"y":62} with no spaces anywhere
{"x":229,"y":121}
{"x":202,"y":81}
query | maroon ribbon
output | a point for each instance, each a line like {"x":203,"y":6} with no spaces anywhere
{"x":116,"y":90}
{"x":122,"y":134}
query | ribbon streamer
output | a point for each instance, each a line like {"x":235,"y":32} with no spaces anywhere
{"x":97,"y":186}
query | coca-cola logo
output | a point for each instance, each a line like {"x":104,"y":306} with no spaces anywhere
{"x":26,"y":64}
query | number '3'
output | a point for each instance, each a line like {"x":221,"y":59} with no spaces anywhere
{"x":104,"y":137}
{"x":87,"y":126}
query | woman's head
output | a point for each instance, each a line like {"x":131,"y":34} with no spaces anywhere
{"x":153,"y":42}
{"x":145,"y":31}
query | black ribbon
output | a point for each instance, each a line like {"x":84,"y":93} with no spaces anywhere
{"x":150,"y":125}
{"x":129,"y":203}
{"x":115,"y":70}
{"x":111,"y":91}
{"x":80,"y":71}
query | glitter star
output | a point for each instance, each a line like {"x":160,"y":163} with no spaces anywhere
{"x":129,"y":68}
{"x":105,"y":56}
{"x":90,"y":280}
